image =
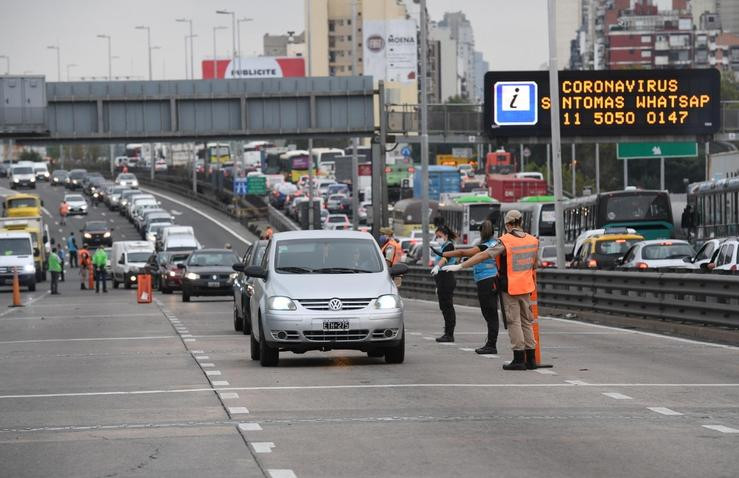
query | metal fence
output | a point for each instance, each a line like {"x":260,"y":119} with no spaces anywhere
{"x":691,"y":298}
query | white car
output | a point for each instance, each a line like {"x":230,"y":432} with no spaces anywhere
{"x":727,"y":257}
{"x":334,"y":202}
{"x":160,"y":165}
{"x":42,"y":172}
{"x":77,"y":204}
{"x":336,"y":219}
{"x":128,"y":180}
{"x":704,"y":254}
{"x":657,"y":254}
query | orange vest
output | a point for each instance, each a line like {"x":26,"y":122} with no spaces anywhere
{"x":63,"y":209}
{"x":397,"y":251}
{"x":520,"y":261}
{"x":84,"y":257}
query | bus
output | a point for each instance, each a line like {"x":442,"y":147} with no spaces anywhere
{"x":215,"y":153}
{"x":406,"y":216}
{"x":715,"y":208}
{"x":295,"y":164}
{"x":538,"y":220}
{"x":537,"y":199}
{"x":647,"y":212}
{"x":400,"y":178}
{"x":499,"y":162}
{"x":465,"y":215}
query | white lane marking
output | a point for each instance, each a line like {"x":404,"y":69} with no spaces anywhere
{"x":466,"y":349}
{"x":224,"y":383}
{"x":664,"y":411}
{"x":187,"y":336}
{"x":175,"y":212}
{"x":207,"y":365}
{"x":202,"y":357}
{"x":212,"y":373}
{"x":488,"y":356}
{"x":545,"y":371}
{"x":576,"y":382}
{"x":189,"y":340}
{"x":46,"y":211}
{"x":428,"y":338}
{"x":197,"y":352}
{"x":237,"y":410}
{"x":452,"y":344}
{"x":153,"y":337}
{"x":103,"y":214}
{"x":617,"y":396}
{"x":214,"y":221}
{"x":96,"y":316}
{"x":282,"y":473}
{"x":250,"y":427}
{"x":721,"y":428}
{"x":228,"y":395}
{"x":415,"y":333}
{"x":32,"y":301}
{"x":262,"y":446}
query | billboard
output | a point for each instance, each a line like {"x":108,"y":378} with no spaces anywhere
{"x":604,"y":103}
{"x":256,"y":67}
{"x":390,"y":50}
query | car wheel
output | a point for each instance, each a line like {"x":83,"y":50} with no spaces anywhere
{"x":238,"y":323}
{"x":32,"y":287}
{"x":185,"y":296}
{"x":115,"y":284}
{"x":254,"y":347}
{"x":128,"y":285}
{"x":246,"y":312}
{"x":268,"y":356}
{"x":376,"y":353}
{"x":397,"y":353}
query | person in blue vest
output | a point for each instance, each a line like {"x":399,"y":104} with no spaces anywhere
{"x":72,"y":248}
{"x":484,"y":274}
{"x":445,"y":281}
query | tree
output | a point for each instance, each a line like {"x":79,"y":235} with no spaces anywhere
{"x":30,"y":155}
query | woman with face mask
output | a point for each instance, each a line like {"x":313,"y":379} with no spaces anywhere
{"x":445,"y":281}
{"x":484,"y":274}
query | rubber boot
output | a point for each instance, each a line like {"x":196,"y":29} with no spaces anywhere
{"x":531,"y":359}
{"x":487,"y":349}
{"x":518,"y":362}
{"x":447,"y":337}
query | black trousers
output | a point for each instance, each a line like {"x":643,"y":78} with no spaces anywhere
{"x":54,"y":282}
{"x":445,"y":284}
{"x":72,"y":258}
{"x":100,"y":276}
{"x":488,"y":297}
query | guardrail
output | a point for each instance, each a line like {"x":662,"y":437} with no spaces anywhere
{"x":690,"y":298}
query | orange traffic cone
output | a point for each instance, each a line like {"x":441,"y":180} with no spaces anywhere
{"x":16,"y":290}
{"x":143,"y":289}
{"x":90,"y":276}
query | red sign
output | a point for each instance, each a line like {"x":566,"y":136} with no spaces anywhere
{"x":364,"y":169}
{"x":259,"y":67}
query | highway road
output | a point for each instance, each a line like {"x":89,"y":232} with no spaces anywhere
{"x":99,"y":386}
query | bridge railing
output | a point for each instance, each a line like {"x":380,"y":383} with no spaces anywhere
{"x":699,"y":298}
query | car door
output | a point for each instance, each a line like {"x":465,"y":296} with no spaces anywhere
{"x":725,"y":256}
{"x":257,"y":297}
{"x":240,"y":283}
{"x":628,"y":259}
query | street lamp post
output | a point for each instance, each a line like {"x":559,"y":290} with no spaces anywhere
{"x":238,"y":31}
{"x":355,"y":141}
{"x":58,"y":61}
{"x":70,"y":65}
{"x":215,"y":50}
{"x":233,"y":33}
{"x":423,"y":49}
{"x":148,"y":46}
{"x":191,"y":36}
{"x":110,"y":57}
{"x":7,"y":63}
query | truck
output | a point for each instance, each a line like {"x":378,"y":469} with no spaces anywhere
{"x":442,"y":179}
{"x":509,"y":188}
{"x":16,"y":255}
{"x":128,"y":258}
{"x":39,"y":239}
{"x":22,"y":205}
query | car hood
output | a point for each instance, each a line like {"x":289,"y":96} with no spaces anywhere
{"x":327,"y":286}
{"x":76,"y":203}
{"x":676,"y":263}
{"x":24,"y":176}
{"x":209,"y":270}
{"x":6,"y":261}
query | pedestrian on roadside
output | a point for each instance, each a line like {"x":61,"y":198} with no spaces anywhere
{"x":60,"y":253}
{"x":485,"y":276}
{"x":84,"y":261}
{"x":445,"y":281}
{"x":72,"y":248}
{"x":99,"y":261}
{"x":55,"y":267}
{"x":63,"y":211}
{"x":518,"y":252}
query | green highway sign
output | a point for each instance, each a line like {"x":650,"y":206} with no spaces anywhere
{"x":656,"y":150}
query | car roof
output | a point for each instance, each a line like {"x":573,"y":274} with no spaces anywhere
{"x":614,"y":237}
{"x":651,"y":242}
{"x":214,"y":250}
{"x":321,"y":234}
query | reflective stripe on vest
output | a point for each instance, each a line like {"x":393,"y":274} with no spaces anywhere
{"x":488,"y":268}
{"x":520,"y":260}
{"x":450,"y":260}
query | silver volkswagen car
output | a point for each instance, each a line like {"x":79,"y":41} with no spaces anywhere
{"x":325,"y":290}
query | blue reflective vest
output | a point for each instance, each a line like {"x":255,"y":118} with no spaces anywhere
{"x":450,"y":260}
{"x":487,"y":268}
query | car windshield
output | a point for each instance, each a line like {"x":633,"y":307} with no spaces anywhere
{"x":60,"y":173}
{"x":615,"y":246}
{"x":126,"y":177}
{"x":39,"y":168}
{"x":327,"y":256}
{"x":96,"y":226}
{"x":337,"y":219}
{"x":15,"y":247}
{"x":638,"y":207}
{"x":176,"y":258}
{"x":667,"y":251}
{"x":74,"y":198}
{"x":77,"y":173}
{"x":139,"y":256}
{"x":23,"y":170}
{"x":549,"y":251}
{"x":22,"y":202}
{"x":213,"y":259}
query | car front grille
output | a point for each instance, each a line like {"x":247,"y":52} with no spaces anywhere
{"x":335,"y":335}
{"x":323,"y":304}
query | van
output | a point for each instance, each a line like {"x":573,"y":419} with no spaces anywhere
{"x":22,"y":205}
{"x":42,"y":172}
{"x":127,"y":259}
{"x":16,"y":253}
{"x":39,"y":233}
{"x":177,"y":230}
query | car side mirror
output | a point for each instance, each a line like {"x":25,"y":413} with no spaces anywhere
{"x":398,"y":270}
{"x":256,"y":272}
{"x":239,"y":267}
{"x":620,"y":260}
{"x":180,"y":265}
{"x":568,"y":256}
{"x":121,"y":262}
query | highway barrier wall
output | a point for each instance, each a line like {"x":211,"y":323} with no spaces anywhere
{"x":707,"y":299}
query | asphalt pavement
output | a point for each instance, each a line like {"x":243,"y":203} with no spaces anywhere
{"x":95,"y":385}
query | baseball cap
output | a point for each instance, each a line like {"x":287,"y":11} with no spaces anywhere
{"x":512,"y":216}
{"x":386,"y":230}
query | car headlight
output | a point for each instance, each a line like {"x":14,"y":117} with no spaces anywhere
{"x":171,"y":273}
{"x":29,"y":268}
{"x":192,"y":276}
{"x":88,"y":235}
{"x":280,"y":303}
{"x":66,"y":180}
{"x":83,"y":206}
{"x":74,"y":181}
{"x":33,"y":179}
{"x":16,"y":180}
{"x":46,"y":175}
{"x":233,"y":275}
{"x":107,"y":234}
{"x":388,"y":301}
{"x":124,"y":202}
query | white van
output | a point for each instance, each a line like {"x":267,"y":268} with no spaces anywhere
{"x":127,"y":258}
{"x":16,"y":252}
{"x":180,"y":243}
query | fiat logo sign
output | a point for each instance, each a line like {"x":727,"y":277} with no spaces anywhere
{"x":375,"y":43}
{"x":335,"y":304}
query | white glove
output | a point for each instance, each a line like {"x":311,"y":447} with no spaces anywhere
{"x":454,"y":268}
{"x":435,"y":270}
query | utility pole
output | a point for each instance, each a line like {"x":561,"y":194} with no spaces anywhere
{"x":574,"y":172}
{"x":662,"y":173}
{"x":148,"y":44}
{"x":310,"y":183}
{"x":233,"y":35}
{"x":191,"y":36}
{"x":355,"y":141}
{"x":424,"y":134}
{"x":626,"y":173}
{"x":215,"y":51}
{"x":238,"y":31}
{"x":7,"y":63}
{"x":556,"y":144}
{"x":597,"y":168}
{"x":58,"y":61}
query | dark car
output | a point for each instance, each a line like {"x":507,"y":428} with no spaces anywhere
{"x":208,"y":272}
{"x":96,"y":233}
{"x":59,"y":177}
{"x":243,"y":289}
{"x":74,"y":180}
{"x":92,"y":182}
{"x":166,"y":276}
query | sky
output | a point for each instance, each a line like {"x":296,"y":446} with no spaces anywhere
{"x":510,"y":33}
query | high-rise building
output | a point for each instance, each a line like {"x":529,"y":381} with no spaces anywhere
{"x":728,"y":10}
{"x":277,"y":45}
{"x":461,"y":30}
{"x":444,"y":51}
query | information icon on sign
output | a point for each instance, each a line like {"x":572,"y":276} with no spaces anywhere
{"x":515,"y":103}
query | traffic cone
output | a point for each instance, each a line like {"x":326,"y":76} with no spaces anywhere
{"x":90,"y":277}
{"x":16,"y":290}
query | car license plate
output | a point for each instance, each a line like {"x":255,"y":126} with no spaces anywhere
{"x":214,"y":284}
{"x":335,"y":325}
